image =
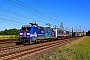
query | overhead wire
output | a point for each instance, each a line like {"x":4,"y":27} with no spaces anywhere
{"x":48,"y":10}
{"x":12,"y":17}
{"x":23,"y":8}
{"x":41,"y":5}
{"x":30,"y":18}
{"x":18,"y":14}
{"x":45,"y":8}
{"x":11,"y":21}
{"x":35,"y":10}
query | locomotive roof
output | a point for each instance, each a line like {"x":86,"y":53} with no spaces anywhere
{"x":26,"y":26}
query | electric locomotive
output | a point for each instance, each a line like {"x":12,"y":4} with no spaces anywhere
{"x":32,"y":33}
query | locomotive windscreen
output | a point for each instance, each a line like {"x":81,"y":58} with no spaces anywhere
{"x":26,"y":28}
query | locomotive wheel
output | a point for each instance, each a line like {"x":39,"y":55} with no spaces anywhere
{"x":29,"y":41}
{"x":23,"y":42}
{"x":16,"y":43}
{"x":35,"y":41}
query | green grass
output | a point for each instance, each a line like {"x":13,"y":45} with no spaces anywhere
{"x":77,"y":50}
{"x":9,"y":37}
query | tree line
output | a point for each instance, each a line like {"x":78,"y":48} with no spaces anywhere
{"x":13,"y":31}
{"x":88,"y":33}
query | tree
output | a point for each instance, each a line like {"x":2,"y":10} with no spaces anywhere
{"x":88,"y":33}
{"x":13,"y":31}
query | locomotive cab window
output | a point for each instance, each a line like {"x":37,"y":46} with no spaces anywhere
{"x":26,"y":28}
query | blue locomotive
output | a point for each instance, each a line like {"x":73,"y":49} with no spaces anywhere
{"x":34,"y":33}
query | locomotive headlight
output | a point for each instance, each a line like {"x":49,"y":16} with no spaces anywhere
{"x":28,"y":33}
{"x":21,"y":33}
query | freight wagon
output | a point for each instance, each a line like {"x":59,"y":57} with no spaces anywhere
{"x":61,"y":34}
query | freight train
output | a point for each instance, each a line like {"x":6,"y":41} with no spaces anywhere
{"x":33,"y":33}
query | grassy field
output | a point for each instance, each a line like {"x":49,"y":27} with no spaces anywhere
{"x":77,"y":50}
{"x":2,"y":37}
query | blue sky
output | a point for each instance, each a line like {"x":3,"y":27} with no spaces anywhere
{"x":73,"y":13}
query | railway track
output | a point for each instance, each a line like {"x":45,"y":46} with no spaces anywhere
{"x":7,"y":41}
{"x":20,"y":52}
{"x":12,"y":46}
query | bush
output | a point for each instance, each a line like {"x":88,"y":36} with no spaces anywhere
{"x":16,"y":36}
{"x":11,"y":37}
